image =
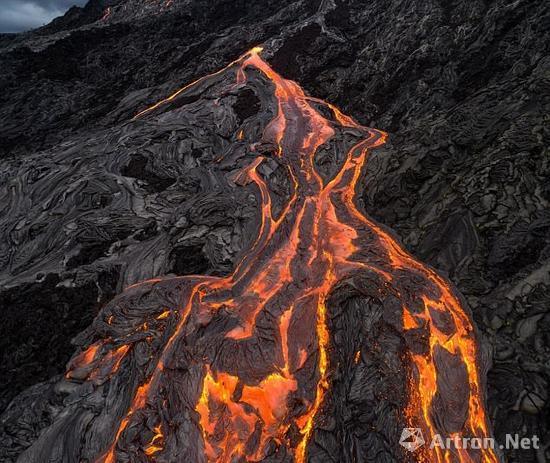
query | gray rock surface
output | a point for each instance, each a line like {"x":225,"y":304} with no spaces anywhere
{"x":93,"y":203}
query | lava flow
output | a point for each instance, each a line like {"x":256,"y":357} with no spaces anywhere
{"x":245,"y":366}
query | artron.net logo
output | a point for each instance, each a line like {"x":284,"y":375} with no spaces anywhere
{"x":412,"y":439}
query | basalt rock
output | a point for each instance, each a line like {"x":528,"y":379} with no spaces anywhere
{"x":95,"y":202}
{"x":260,"y":363}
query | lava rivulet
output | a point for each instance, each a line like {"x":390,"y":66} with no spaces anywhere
{"x":270,"y":394}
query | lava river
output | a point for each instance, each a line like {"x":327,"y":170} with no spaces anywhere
{"x":233,"y":376}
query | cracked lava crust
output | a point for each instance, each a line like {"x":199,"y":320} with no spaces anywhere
{"x":265,"y":364}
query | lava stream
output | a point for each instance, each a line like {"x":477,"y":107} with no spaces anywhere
{"x":319,"y":239}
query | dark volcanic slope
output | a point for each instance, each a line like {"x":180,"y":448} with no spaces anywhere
{"x":462,"y":88}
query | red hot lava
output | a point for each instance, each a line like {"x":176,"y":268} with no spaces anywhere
{"x":319,"y":239}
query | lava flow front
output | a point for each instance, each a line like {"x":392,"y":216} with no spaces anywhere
{"x":243,"y":368}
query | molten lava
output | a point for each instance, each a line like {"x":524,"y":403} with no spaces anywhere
{"x":319,"y":239}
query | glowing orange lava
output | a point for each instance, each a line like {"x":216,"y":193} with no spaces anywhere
{"x":285,"y":281}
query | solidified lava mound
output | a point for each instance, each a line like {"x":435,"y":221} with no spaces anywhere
{"x":324,"y":341}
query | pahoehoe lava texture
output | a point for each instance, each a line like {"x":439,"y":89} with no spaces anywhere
{"x":93,"y":203}
{"x":242,"y":367}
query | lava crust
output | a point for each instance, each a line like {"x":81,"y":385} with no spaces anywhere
{"x":95,"y":203}
{"x":246,"y":367}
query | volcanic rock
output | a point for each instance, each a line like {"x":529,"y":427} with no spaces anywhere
{"x":95,"y":203}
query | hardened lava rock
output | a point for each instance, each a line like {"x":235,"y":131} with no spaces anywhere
{"x":92,"y":203}
{"x":263,"y":363}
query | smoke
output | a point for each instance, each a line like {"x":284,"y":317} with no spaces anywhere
{"x":21,"y":15}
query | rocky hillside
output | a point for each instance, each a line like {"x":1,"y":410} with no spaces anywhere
{"x":462,"y":88}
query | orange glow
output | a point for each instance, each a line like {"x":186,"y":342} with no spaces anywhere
{"x":88,"y":355}
{"x":285,"y":281}
{"x":409,"y":321}
{"x":163,"y":315}
{"x":85,"y":360}
{"x":109,"y":364}
{"x":322,"y":384}
{"x":155,"y":445}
